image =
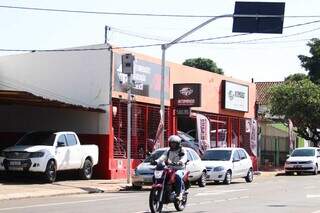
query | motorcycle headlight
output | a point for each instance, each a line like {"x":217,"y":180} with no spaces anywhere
{"x":218,"y":169}
{"x":36,"y":154}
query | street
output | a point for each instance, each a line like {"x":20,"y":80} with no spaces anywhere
{"x":265,"y":194}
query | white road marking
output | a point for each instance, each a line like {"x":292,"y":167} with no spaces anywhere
{"x":233,"y":198}
{"x":219,"y":201}
{"x":62,"y":203}
{"x":205,"y":202}
{"x":219,"y":192}
{"x":313,"y":196}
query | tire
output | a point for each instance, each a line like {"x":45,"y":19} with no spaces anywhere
{"x":315,"y":172}
{"x":289,"y":173}
{"x":202,"y":180}
{"x":86,"y":171}
{"x":136,"y":187}
{"x":155,"y":204}
{"x":249,"y":177}
{"x":50,"y":174}
{"x":228,"y":178}
{"x":181,"y":205}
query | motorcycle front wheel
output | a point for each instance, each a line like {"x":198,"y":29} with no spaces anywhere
{"x":181,"y":205}
{"x":155,"y":204}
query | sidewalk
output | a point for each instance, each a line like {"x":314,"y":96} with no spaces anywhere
{"x":19,"y":190}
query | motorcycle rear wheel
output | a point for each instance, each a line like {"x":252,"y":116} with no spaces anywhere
{"x":181,"y":205}
{"x":155,"y":204}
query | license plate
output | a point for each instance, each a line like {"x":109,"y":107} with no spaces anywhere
{"x":297,"y":166}
{"x":15,"y":168}
{"x":15,"y":163}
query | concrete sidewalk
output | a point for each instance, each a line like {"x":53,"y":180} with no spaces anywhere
{"x":20,"y":190}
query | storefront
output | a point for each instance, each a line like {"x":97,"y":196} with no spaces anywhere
{"x":94,"y":79}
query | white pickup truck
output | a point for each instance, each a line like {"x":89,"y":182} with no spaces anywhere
{"x":49,"y":152}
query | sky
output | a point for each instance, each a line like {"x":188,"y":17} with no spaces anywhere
{"x":269,"y":58}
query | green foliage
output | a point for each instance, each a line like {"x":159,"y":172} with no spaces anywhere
{"x":203,"y":64}
{"x":296,"y":77}
{"x":300,"y":102}
{"x":312,"y":63}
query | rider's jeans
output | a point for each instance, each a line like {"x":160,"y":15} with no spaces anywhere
{"x":179,"y":181}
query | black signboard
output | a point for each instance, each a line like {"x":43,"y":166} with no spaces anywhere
{"x":252,"y":24}
{"x":187,"y":95}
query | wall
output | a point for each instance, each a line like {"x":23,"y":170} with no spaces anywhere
{"x":75,"y":77}
{"x":211,"y":89}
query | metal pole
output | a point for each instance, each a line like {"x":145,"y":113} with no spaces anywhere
{"x":162,"y":109}
{"x":129,"y":132}
{"x":164,"y":47}
{"x":106,"y":29}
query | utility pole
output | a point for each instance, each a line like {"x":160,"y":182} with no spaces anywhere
{"x":127,"y":68}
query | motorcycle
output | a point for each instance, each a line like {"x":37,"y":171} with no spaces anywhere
{"x":163,"y":189}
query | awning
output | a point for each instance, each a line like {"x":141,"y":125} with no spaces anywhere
{"x":8,"y":97}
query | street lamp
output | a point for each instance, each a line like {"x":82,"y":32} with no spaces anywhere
{"x":250,"y":17}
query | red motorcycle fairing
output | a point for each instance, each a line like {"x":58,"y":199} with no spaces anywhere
{"x":186,"y":176}
{"x":172,"y":176}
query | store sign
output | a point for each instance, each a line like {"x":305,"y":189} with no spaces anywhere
{"x":187,"y":95}
{"x":146,"y":77}
{"x":236,"y":96}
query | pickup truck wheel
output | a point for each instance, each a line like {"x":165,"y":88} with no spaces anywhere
{"x":86,"y":171}
{"x":51,"y":172}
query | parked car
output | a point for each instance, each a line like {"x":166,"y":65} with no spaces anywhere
{"x":305,"y":159}
{"x":144,"y":172}
{"x":225,"y":164}
{"x":49,"y":152}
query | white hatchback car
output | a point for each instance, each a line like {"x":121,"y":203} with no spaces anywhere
{"x":224,"y":164}
{"x":305,"y":159}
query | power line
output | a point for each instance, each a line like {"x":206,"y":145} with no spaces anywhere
{"x":181,"y":42}
{"x":128,"y":14}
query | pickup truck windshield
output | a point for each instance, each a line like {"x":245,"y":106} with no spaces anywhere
{"x":37,"y":139}
{"x":217,"y":155}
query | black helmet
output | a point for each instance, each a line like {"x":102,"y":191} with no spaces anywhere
{"x":174,"y":142}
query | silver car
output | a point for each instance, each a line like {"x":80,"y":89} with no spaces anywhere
{"x":144,"y":172}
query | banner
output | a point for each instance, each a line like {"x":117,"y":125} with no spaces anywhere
{"x":203,"y":129}
{"x":254,"y":137}
{"x":158,"y":139}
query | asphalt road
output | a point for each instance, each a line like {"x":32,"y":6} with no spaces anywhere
{"x":266,"y":194}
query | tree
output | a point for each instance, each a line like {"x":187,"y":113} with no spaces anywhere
{"x":296,"y":77}
{"x":300,"y":102}
{"x":312,"y":63}
{"x":203,"y":64}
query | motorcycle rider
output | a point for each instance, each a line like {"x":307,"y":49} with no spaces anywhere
{"x":176,"y":155}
